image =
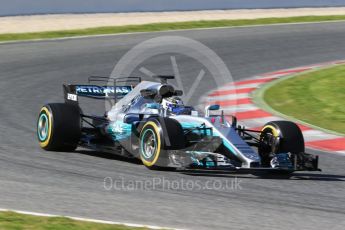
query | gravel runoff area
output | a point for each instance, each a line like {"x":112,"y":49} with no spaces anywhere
{"x":40,"y":23}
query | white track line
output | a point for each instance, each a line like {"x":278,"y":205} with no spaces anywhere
{"x":341,"y":152}
{"x":87,"y":219}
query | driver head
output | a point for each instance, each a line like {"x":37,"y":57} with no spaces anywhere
{"x":172,"y":103}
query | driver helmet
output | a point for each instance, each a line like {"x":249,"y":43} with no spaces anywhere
{"x":172,"y":103}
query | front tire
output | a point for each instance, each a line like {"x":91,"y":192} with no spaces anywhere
{"x":280,"y":137}
{"x":59,"y":127}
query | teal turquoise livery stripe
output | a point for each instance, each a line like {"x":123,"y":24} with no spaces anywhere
{"x":119,"y":130}
{"x":190,"y":125}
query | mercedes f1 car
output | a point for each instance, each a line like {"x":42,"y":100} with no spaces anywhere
{"x":150,"y":122}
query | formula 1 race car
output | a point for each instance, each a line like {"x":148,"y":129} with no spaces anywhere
{"x":149,"y":121}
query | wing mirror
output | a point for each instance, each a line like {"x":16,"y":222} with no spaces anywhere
{"x":211,"y":107}
{"x":214,"y":107}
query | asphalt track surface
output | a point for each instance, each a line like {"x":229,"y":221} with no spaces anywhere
{"x":72,"y":183}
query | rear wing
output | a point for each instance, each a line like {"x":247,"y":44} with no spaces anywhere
{"x":114,"y":89}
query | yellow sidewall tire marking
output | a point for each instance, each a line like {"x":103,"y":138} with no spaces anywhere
{"x":156,"y":129}
{"x":46,"y":142}
{"x":274,"y":130}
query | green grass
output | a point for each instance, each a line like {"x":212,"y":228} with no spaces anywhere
{"x":164,"y":26}
{"x":317,"y":98}
{"x":15,"y":221}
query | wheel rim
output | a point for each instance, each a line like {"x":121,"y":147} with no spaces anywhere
{"x":43,"y":127}
{"x":269,"y":146}
{"x":148,"y":144}
{"x":269,"y":141}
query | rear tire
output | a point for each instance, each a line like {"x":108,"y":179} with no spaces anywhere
{"x":59,"y":127}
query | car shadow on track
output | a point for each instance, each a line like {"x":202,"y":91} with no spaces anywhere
{"x":232,"y":174}
{"x":108,"y":156}
{"x":294,"y":176}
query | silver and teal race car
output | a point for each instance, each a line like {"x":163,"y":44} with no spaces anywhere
{"x":149,"y":121}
